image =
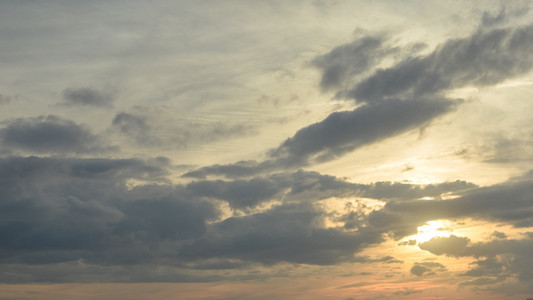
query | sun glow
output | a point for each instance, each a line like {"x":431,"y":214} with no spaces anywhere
{"x":432,"y":229}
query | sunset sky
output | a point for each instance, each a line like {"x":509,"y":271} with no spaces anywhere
{"x":165,"y":149}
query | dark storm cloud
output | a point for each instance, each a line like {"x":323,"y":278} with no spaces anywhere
{"x":86,"y":96}
{"x":485,"y":58}
{"x":50,"y":134}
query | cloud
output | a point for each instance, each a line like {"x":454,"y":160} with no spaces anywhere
{"x":406,"y":292}
{"x":60,"y":210}
{"x":342,"y":132}
{"x":401,"y":218}
{"x":133,"y":126}
{"x":158,"y":127}
{"x":485,"y":58}
{"x":504,"y":15}
{"x":240,"y":194}
{"x":338,"y":134}
{"x":6,"y":99}
{"x":406,"y":96}
{"x":238,"y":169}
{"x":481,"y":281}
{"x":490,"y":266}
{"x":342,"y":64}
{"x":427,"y":268}
{"x":286,"y":233}
{"x":86,"y":96}
{"x":312,"y":186}
{"x":451,"y":246}
{"x":50,"y":134}
{"x":500,"y":258}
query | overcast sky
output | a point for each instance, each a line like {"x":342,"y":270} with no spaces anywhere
{"x":266,"y":149}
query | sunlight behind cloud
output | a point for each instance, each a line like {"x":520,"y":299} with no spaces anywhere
{"x":432,"y":229}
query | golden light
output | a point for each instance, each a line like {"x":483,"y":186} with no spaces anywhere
{"x":432,"y":229}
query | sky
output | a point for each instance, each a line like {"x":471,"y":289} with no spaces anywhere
{"x":233,"y":149}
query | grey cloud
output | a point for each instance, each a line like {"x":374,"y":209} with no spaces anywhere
{"x":407,"y":243}
{"x":500,"y":258}
{"x":339,"y":133}
{"x":485,"y":58}
{"x":90,"y":213}
{"x":509,"y":202}
{"x":219,"y":264}
{"x":485,"y":267}
{"x":313,"y":186}
{"x":5,"y":99}
{"x":58,"y":210}
{"x":482,"y":281}
{"x":451,"y":246}
{"x":489,"y":19}
{"x":386,"y":259}
{"x":239,"y":194}
{"x":385,"y":190}
{"x":419,"y":270}
{"x":295,"y":187}
{"x":50,"y":134}
{"x":287,"y":233}
{"x":238,"y":169}
{"x":133,"y":126}
{"x":504,"y":15}
{"x":413,"y":89}
{"x":407,"y":292}
{"x":499,"y":235}
{"x":86,"y":96}
{"x":81,"y":271}
{"x":427,"y":268}
{"x":345,"y":62}
{"x":156,"y":127}
{"x":342,"y":132}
